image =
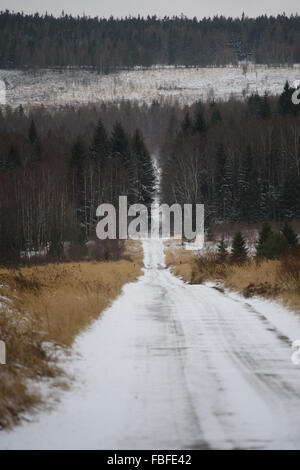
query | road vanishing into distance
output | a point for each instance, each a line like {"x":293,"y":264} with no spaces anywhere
{"x":176,"y":366}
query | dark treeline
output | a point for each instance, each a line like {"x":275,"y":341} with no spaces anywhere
{"x":53,"y":177}
{"x":241,"y":159}
{"x":106,"y":44}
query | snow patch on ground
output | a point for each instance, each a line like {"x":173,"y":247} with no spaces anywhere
{"x":53,"y":87}
{"x":284,"y":319}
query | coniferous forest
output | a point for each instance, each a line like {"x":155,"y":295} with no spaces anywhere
{"x":240,"y":158}
{"x":110,"y":43}
{"x":54,"y":175}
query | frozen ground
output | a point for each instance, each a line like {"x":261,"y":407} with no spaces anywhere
{"x":171,"y":365}
{"x":186,"y":85}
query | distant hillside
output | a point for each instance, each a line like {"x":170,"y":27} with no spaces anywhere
{"x":107,"y":44}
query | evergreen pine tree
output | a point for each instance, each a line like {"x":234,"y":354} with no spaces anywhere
{"x":290,"y":197}
{"x":225,"y":198}
{"x":242,"y":192}
{"x":247,"y":188}
{"x":210,"y":233}
{"x":222,"y":249}
{"x":77,"y":155}
{"x":285,"y":103}
{"x":263,"y":199}
{"x":77,"y":163}
{"x":13,"y":158}
{"x":215,"y":114}
{"x":265,"y":110}
{"x":100,"y":147}
{"x":239,"y":249}
{"x":56,"y":245}
{"x":32,"y":133}
{"x":220,"y":166}
{"x":21,"y":110}
{"x":186,"y":124}
{"x":254,"y":103}
{"x":35,"y":142}
{"x":290,"y":235}
{"x":275,"y":246}
{"x":146,"y":175}
{"x":200,"y":125}
{"x":264,"y":233}
{"x":120,"y":143}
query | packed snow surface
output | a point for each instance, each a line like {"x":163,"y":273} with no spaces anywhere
{"x":172,"y":365}
{"x":54,"y":87}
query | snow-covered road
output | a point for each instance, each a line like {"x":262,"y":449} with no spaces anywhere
{"x":171,"y":365}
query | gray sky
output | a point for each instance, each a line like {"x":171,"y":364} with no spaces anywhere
{"x":160,"y":7}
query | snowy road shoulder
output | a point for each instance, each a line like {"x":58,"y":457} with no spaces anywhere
{"x":284,"y":319}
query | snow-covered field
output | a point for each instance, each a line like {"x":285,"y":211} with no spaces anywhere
{"x":186,"y":85}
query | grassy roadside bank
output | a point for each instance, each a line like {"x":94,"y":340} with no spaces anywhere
{"x":45,"y":307}
{"x":274,"y":278}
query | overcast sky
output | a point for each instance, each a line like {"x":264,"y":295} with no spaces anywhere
{"x":190,"y":8}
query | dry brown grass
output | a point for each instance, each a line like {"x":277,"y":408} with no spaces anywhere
{"x":278,"y":278}
{"x":254,"y":278}
{"x":179,"y":260}
{"x":51,"y":303}
{"x":190,"y":266}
